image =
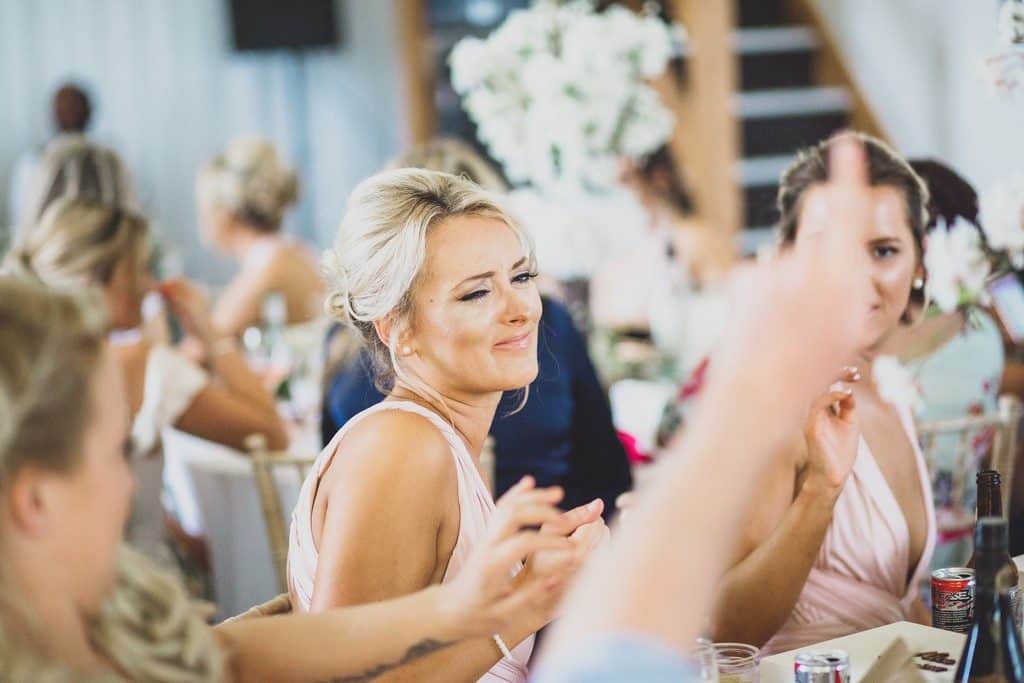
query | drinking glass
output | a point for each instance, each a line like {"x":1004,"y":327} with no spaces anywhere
{"x":705,"y":661}
{"x":737,"y":663}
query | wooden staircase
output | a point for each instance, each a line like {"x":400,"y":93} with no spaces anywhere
{"x":791,"y":88}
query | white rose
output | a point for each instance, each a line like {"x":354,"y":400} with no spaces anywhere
{"x":601,"y":171}
{"x":896,"y":385}
{"x":956,"y":264}
{"x":543,"y":77}
{"x":657,"y":47}
{"x":1011,"y":22}
{"x":469,"y":63}
{"x":526,"y":32}
{"x":1001,"y":213}
{"x":650,"y":125}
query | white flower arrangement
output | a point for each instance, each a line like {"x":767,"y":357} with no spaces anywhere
{"x":558,"y":92}
{"x":957,"y":266}
{"x":897,"y":385}
{"x":1005,"y":68}
{"x":574,"y":237}
{"x":1011,"y":22}
{"x":1001,"y":212}
{"x":962,"y":259}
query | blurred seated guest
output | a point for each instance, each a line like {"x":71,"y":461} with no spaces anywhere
{"x":79,"y":607}
{"x":668,"y":285}
{"x":243,"y":194}
{"x":438,"y":280}
{"x":81,"y":242}
{"x":658,"y":185}
{"x":563,"y":435}
{"x":841,"y":535}
{"x":955,"y":362}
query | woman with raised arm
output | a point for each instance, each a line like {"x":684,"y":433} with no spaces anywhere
{"x":841,"y":535}
{"x":81,"y":242}
{"x":74,"y":607}
{"x":623,"y":619}
{"x":438,"y":280}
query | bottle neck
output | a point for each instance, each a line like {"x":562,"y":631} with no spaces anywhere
{"x":990,"y":495}
{"x":987,"y":566}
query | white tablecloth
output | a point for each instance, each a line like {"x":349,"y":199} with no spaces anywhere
{"x":215,"y":495}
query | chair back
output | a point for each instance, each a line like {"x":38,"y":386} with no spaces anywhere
{"x":264,"y":464}
{"x":281,"y":604}
{"x":971,"y":438}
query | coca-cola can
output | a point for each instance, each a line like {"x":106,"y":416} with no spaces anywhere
{"x":822,"y":666}
{"x":953,"y":599}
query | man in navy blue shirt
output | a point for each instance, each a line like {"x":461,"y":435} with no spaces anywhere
{"x":563,"y":435}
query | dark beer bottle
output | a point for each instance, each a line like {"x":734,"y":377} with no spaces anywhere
{"x":992,"y":653}
{"x":990,"y":504}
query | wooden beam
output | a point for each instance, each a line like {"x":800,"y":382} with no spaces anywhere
{"x":706,"y":143}
{"x":416,"y":71}
{"x":832,"y":69}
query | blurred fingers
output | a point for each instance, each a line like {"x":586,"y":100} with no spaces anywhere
{"x":847,"y":161}
{"x":510,"y":551}
{"x":527,"y":515}
{"x":571,"y":520}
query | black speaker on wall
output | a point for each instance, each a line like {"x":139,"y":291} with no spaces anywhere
{"x":277,"y":24}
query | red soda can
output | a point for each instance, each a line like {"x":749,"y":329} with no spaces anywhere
{"x":953,"y":599}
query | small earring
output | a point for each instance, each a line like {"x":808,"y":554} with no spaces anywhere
{"x":406,"y":351}
{"x":918,"y":283}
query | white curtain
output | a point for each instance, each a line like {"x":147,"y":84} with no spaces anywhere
{"x":169,"y":91}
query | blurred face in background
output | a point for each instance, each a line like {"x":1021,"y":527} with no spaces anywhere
{"x":127,"y":287}
{"x":894,"y":260}
{"x":215,"y":224}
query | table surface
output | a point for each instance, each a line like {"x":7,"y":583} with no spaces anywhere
{"x":866,"y":646}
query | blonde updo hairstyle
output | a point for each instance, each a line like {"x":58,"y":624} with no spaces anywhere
{"x":51,"y":342}
{"x":447,"y":155}
{"x":80,"y":240}
{"x":379,"y":255}
{"x":251,"y":181}
{"x":75,"y":167}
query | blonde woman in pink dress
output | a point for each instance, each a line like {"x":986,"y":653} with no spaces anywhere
{"x":841,"y":537}
{"x":439,"y":282}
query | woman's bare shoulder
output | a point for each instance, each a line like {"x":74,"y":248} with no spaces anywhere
{"x":392,"y":445}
